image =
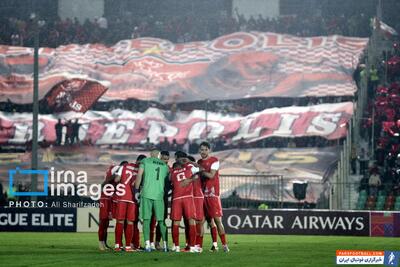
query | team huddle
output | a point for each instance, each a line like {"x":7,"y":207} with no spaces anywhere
{"x":146,"y":185}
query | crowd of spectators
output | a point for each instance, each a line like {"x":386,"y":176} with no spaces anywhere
{"x":381,"y":126}
{"x":178,"y":29}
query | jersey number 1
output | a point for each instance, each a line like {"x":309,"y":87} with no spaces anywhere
{"x":158,"y":173}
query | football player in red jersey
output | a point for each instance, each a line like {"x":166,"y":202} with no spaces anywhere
{"x":198,"y":198}
{"x":126,"y":206}
{"x":209,"y":167}
{"x":182,"y":201}
{"x":184,"y":159}
{"x":135,"y":243}
{"x":113,"y":198}
{"x":105,"y":212}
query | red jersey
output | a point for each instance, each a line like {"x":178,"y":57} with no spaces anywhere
{"x":197,"y":185}
{"x":177,"y":176}
{"x":109,"y":173}
{"x":128,"y":176}
{"x":210,"y":186}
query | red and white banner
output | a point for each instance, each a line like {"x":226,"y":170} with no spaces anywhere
{"x":235,"y":66}
{"x":125,"y":127}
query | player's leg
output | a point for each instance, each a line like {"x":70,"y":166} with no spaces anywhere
{"x":158,"y":231}
{"x":103,"y":224}
{"x":153,"y":226}
{"x":159,"y":212}
{"x":146,"y":208}
{"x":176,"y":216}
{"x":209,"y":212}
{"x":130,"y":218}
{"x":221,"y":232}
{"x":189,"y":215}
{"x":128,"y":236}
{"x":187,"y":233}
{"x":192,"y":236}
{"x":106,"y":225}
{"x":216,"y":210}
{"x":175,"y":236}
{"x":214,"y":233}
{"x":119,"y":227}
{"x":110,"y":217}
{"x":199,"y":213}
{"x":136,"y":234}
{"x":199,"y":235}
{"x":158,"y":238}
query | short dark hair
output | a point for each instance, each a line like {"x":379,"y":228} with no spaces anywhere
{"x":175,"y":165}
{"x":206,"y":144}
{"x":140,"y":157}
{"x":123,"y":163}
{"x":164,"y":153}
{"x":180,"y":154}
{"x":191,"y":158}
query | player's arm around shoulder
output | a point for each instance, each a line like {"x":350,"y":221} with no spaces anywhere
{"x":118,"y":173}
{"x":213,"y":171}
{"x":139,"y":176}
{"x":193,"y":170}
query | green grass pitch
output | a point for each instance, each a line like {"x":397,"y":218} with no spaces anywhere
{"x":80,"y":249}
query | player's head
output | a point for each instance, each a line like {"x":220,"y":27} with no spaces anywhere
{"x":176,"y":165}
{"x":155,"y":153}
{"x":191,"y":158}
{"x":165,"y":156}
{"x":177,"y":153}
{"x":204,"y":150}
{"x":181,"y":157}
{"x":140,"y":158}
{"x":123,"y":163}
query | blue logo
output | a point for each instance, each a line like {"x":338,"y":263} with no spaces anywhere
{"x":44,"y":173}
{"x":391,"y":258}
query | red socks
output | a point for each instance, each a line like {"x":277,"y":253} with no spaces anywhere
{"x":128,"y":234}
{"x":187,"y":231}
{"x":175,"y":234}
{"x":119,"y":228}
{"x":102,"y":232}
{"x":199,"y":239}
{"x":223,"y":239}
{"x":192,"y":235}
{"x":214,"y":234}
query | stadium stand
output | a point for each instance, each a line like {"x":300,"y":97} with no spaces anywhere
{"x":381,"y":127}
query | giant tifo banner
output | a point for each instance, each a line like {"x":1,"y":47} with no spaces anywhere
{"x":235,"y":66}
{"x":125,"y":127}
{"x":253,"y":173}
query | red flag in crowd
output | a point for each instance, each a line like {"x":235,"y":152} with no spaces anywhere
{"x":74,"y":95}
